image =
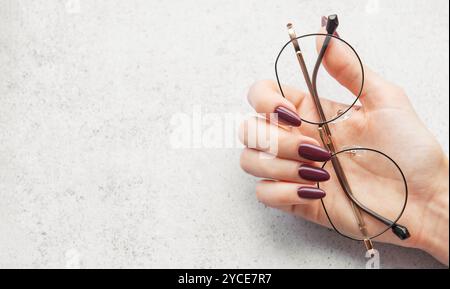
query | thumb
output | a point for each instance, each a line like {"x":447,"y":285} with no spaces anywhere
{"x":342,"y":63}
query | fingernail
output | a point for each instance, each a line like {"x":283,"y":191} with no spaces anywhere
{"x":336,"y":34}
{"x":311,"y":173}
{"x":310,"y":193}
{"x":324,"y":21}
{"x":313,"y":153}
{"x":287,"y":116}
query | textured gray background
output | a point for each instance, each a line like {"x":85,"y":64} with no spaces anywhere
{"x":87,"y":89}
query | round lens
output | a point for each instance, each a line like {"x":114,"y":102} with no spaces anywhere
{"x":324,"y":64}
{"x":366,"y":194}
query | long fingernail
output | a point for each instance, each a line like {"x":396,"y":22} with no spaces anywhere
{"x":287,"y":116}
{"x":313,"y":153}
{"x":324,"y":21}
{"x":311,"y":173}
{"x":310,"y":193}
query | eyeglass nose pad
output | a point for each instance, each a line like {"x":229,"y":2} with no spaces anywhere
{"x":343,"y":114}
{"x":354,"y":150}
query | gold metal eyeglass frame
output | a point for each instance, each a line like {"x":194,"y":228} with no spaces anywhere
{"x":327,"y":139}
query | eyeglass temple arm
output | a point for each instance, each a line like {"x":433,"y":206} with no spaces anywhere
{"x":399,"y":230}
{"x":327,"y":141}
{"x":332,"y":24}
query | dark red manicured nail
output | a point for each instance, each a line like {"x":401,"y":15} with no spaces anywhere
{"x":324,"y":21}
{"x":287,"y":116}
{"x":311,"y":173}
{"x":313,"y":153}
{"x":310,"y":193}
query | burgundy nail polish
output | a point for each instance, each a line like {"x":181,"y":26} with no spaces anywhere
{"x":287,"y":116}
{"x":310,"y":193}
{"x":313,"y":153}
{"x":311,"y":173}
{"x":324,"y":21}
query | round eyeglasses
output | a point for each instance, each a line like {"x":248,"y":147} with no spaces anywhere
{"x":372,"y":191}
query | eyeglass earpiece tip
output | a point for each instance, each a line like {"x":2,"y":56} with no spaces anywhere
{"x":401,"y":232}
{"x":332,"y":23}
{"x":333,"y":17}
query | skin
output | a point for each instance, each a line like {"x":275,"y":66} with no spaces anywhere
{"x":385,"y":121}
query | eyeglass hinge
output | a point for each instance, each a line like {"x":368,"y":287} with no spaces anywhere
{"x":369,"y":246}
{"x":324,"y":136}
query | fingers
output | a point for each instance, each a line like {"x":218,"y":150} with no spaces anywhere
{"x":257,"y":133}
{"x":299,"y":199}
{"x":341,"y":63}
{"x":264,"y":97}
{"x":254,"y":163}
{"x":279,"y":194}
{"x":303,"y":200}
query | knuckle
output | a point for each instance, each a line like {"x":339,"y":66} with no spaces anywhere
{"x":259,"y":195}
{"x":255,"y":89}
{"x":258,"y":85}
{"x":251,"y":92}
{"x":243,"y":161}
{"x":269,"y":170}
{"x":258,"y":192}
{"x":249,"y":133}
{"x":242,"y":132}
{"x":246,"y":161}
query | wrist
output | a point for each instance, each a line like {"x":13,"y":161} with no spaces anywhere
{"x":435,"y":235}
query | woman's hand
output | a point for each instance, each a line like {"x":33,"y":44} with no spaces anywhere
{"x":386,"y":121}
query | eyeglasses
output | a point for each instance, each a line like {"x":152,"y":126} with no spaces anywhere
{"x":372,"y":192}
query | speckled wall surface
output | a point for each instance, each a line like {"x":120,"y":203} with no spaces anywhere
{"x":88,"y":174}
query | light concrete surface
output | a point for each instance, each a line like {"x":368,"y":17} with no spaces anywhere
{"x":88,"y":175}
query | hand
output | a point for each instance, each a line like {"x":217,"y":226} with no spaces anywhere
{"x":386,"y":121}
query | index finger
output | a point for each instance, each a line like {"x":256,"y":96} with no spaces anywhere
{"x":265,"y":97}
